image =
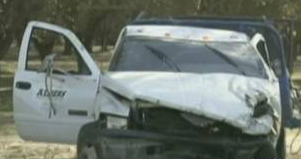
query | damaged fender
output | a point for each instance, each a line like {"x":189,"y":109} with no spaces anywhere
{"x":239,"y":97}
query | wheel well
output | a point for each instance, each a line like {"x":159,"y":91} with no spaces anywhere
{"x":87,"y":134}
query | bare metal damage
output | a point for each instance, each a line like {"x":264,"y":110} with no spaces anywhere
{"x":229,"y":98}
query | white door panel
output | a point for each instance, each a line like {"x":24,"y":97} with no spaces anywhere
{"x":67,"y":33}
{"x":72,"y":95}
{"x":66,"y":130}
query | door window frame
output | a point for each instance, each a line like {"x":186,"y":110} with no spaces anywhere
{"x":77,"y":54}
{"x":81,"y":50}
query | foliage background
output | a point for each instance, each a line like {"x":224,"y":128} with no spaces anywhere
{"x":99,"y":21}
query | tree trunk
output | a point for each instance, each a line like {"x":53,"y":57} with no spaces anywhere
{"x":5,"y":45}
{"x":67,"y":47}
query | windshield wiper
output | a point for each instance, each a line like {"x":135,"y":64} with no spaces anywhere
{"x":226,"y":58}
{"x":160,"y":55}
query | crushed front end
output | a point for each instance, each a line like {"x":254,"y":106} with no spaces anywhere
{"x":183,"y":97}
{"x":159,"y":133}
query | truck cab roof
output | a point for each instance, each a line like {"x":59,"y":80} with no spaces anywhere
{"x":190,"y":33}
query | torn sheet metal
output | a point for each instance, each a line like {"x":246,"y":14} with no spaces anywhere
{"x":221,"y":97}
{"x":111,"y":105}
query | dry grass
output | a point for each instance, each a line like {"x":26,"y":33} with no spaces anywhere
{"x":13,"y":147}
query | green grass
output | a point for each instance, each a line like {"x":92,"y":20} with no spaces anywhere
{"x":6,"y":81}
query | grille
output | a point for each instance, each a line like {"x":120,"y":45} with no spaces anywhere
{"x":171,"y":121}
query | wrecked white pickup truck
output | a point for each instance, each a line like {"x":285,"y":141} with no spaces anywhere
{"x":171,"y":92}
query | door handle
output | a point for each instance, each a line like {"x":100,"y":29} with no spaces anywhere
{"x":78,"y":112}
{"x":23,"y":85}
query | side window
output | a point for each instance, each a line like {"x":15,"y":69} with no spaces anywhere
{"x":44,"y":42}
{"x":262,"y":50}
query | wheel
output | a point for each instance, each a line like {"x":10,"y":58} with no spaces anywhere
{"x":87,"y":152}
{"x":266,"y":151}
{"x":85,"y":140}
{"x":281,"y":145}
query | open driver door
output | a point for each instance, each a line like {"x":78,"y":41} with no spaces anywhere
{"x":54,"y":86}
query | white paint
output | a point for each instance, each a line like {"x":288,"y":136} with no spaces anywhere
{"x":216,"y":96}
{"x":186,"y":33}
{"x":31,"y":113}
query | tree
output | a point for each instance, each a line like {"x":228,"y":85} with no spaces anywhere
{"x":99,"y":21}
{"x":13,"y":18}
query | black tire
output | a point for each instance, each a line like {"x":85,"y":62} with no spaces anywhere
{"x":88,"y":151}
{"x":266,"y":151}
{"x":86,"y":138}
{"x":281,"y":145}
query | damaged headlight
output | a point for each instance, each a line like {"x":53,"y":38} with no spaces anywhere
{"x":113,"y":122}
{"x":261,"y":104}
{"x":265,"y":117}
{"x":262,"y":108}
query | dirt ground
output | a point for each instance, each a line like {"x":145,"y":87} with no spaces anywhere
{"x":12,"y":147}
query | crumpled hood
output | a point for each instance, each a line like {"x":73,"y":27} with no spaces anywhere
{"x":222,"y":97}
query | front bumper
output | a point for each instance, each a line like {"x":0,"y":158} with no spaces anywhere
{"x":133,"y":144}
